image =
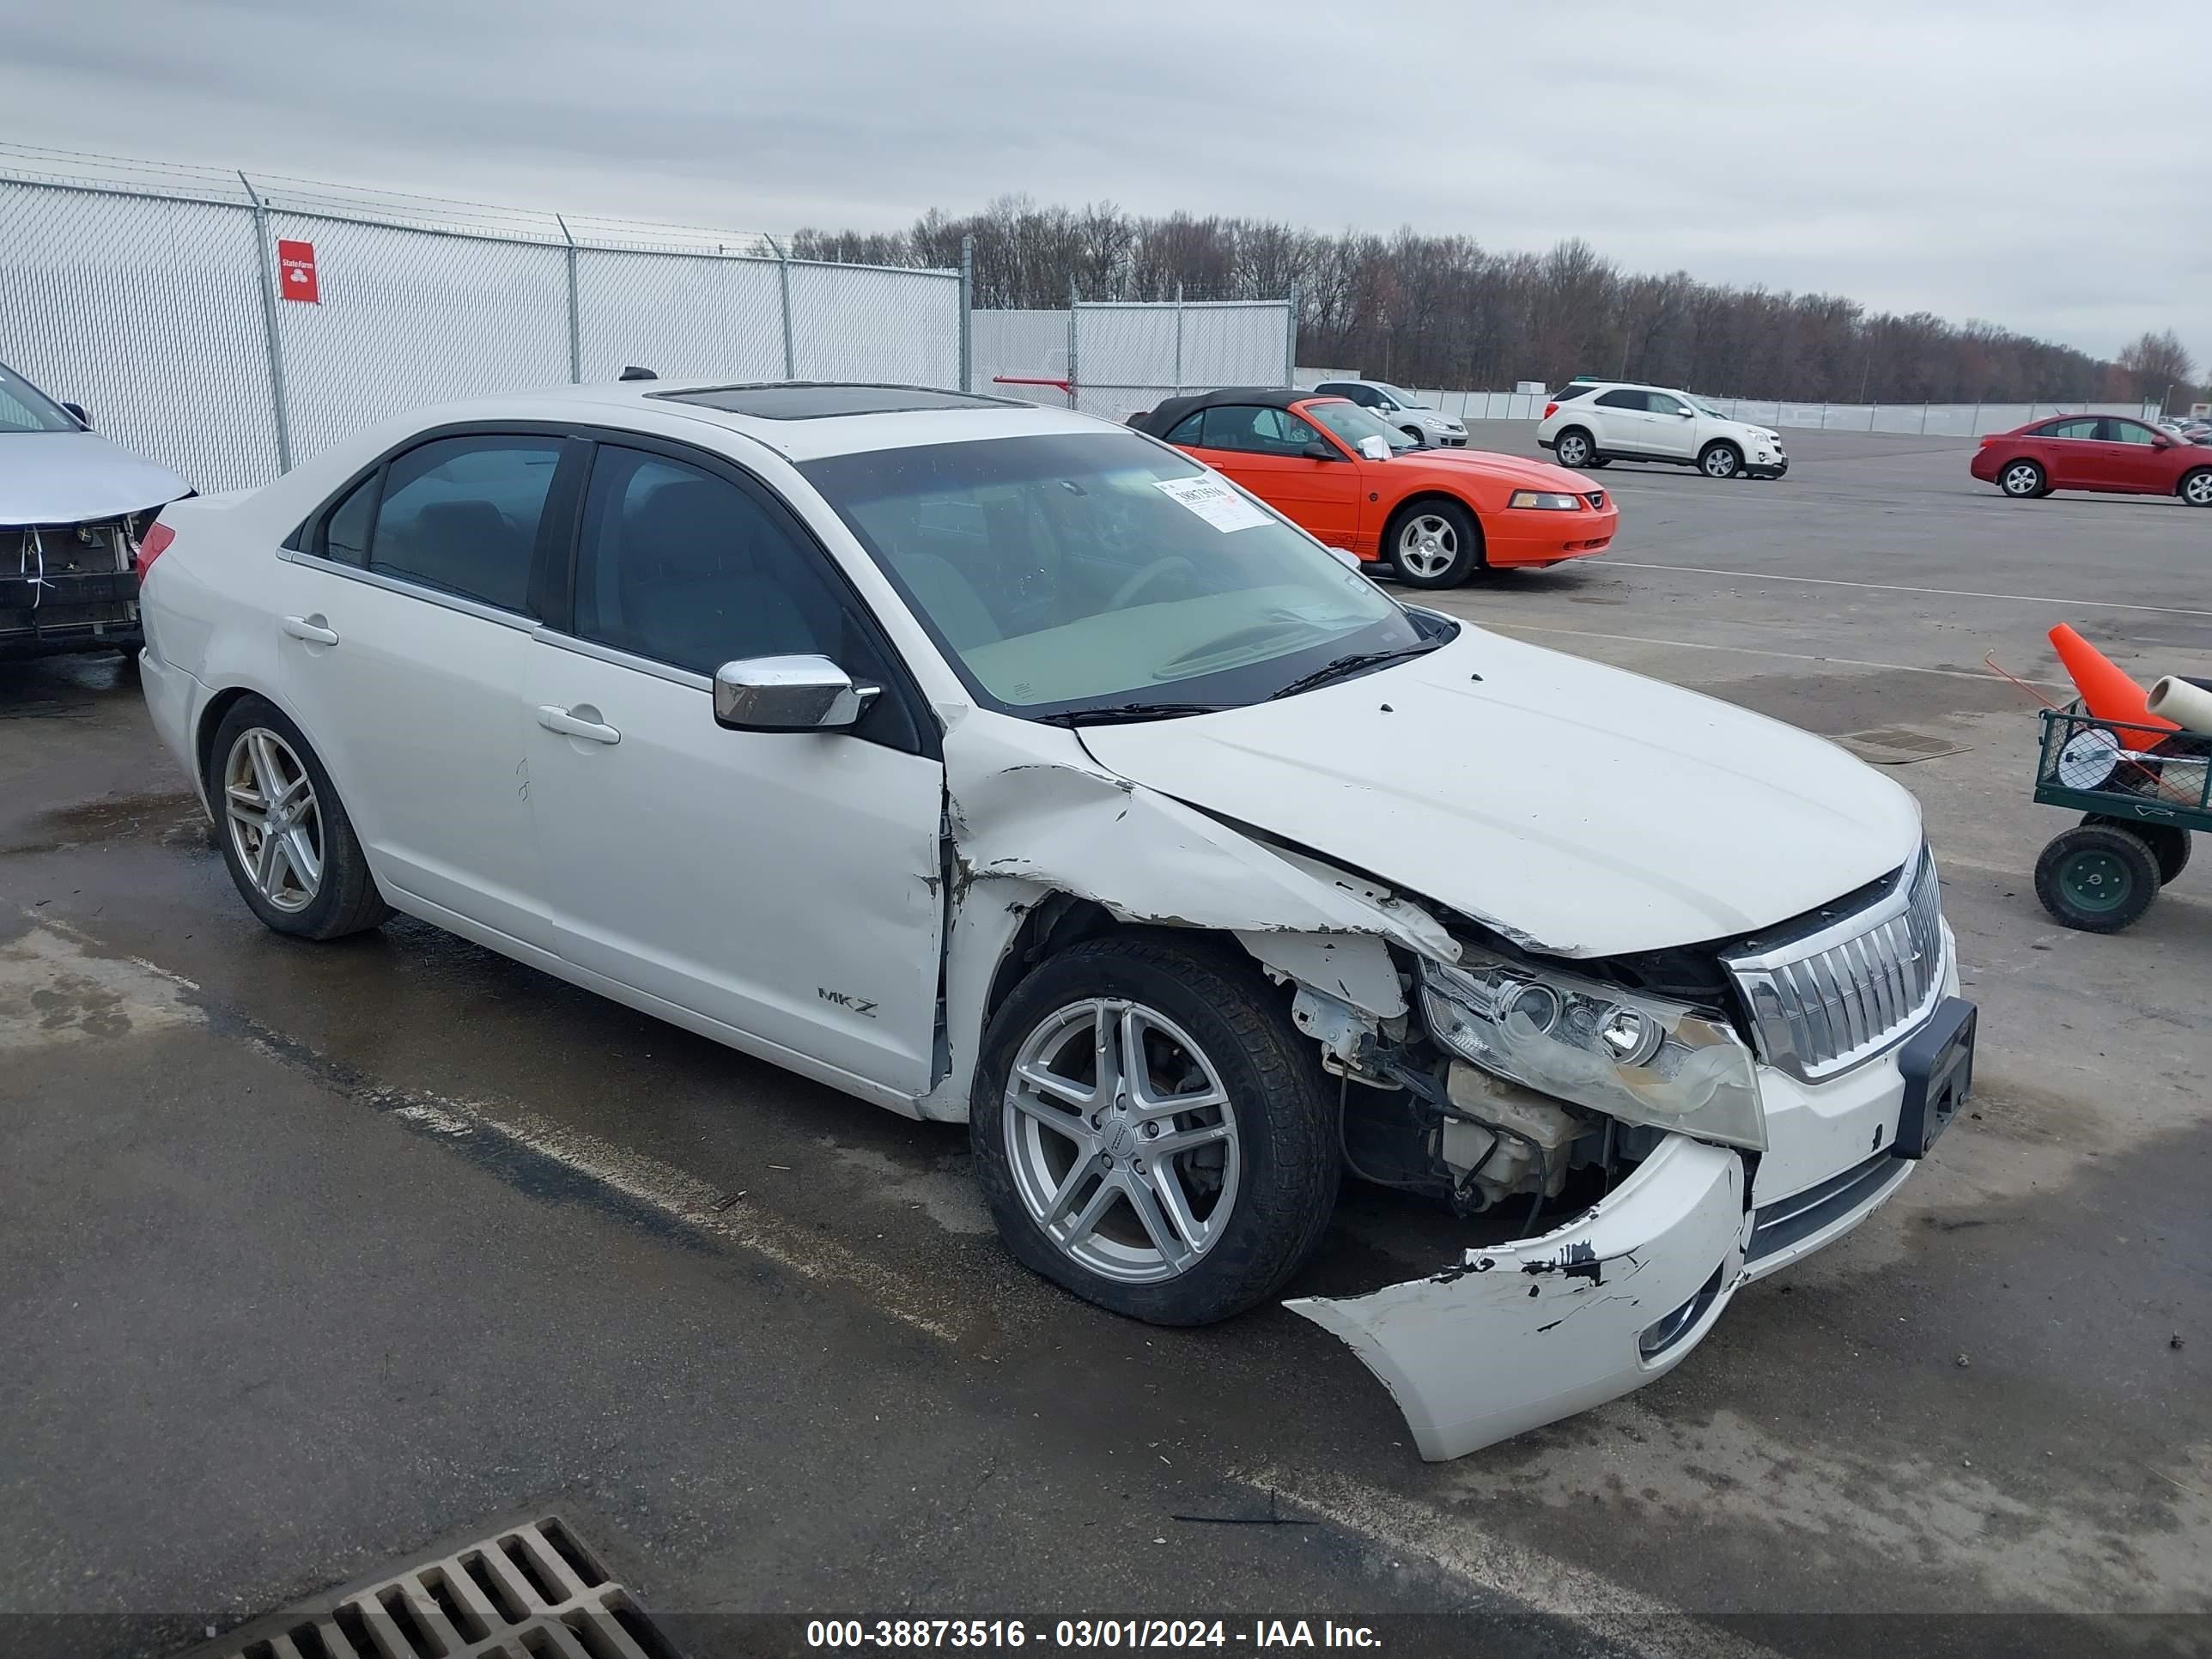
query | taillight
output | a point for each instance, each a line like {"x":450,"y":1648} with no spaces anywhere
{"x":152,"y":545}
{"x":1550,"y":410}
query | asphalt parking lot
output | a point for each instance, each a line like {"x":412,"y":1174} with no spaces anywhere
{"x":313,"y":1254}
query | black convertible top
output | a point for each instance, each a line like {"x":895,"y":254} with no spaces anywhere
{"x":1163,"y":419}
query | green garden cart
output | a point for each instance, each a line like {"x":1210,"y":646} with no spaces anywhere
{"x":2141,"y":791}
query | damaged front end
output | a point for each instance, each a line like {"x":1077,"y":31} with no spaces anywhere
{"x":1521,"y":1334}
{"x":1513,"y":1087}
{"x":70,"y":587}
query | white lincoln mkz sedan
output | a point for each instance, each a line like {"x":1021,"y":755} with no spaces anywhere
{"x":997,"y":764}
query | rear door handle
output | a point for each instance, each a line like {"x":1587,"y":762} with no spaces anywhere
{"x":554,"y":719}
{"x":312,"y":630}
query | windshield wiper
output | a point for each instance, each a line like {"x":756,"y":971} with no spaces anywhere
{"x":1125,"y":713}
{"x":1345,"y":667}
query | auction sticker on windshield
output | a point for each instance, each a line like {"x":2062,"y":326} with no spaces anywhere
{"x":1213,"y":501}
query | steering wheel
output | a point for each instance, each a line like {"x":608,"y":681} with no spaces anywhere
{"x":1144,"y":578}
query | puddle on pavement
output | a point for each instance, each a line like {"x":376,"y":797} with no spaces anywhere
{"x":168,"y":815}
{"x":52,"y":991}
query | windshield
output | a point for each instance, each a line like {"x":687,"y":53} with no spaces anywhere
{"x":1073,"y":572}
{"x":24,"y":408}
{"x":1399,"y":395}
{"x":1703,"y":407}
{"x":1350,"y":423}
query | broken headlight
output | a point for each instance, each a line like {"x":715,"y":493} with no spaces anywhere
{"x":1637,"y":1058}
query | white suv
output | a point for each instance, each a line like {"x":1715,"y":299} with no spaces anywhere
{"x":1588,"y":423}
{"x":1423,"y":422}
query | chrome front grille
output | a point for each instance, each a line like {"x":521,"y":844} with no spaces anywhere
{"x":1822,"y":1004}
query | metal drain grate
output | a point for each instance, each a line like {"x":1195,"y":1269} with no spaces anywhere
{"x":526,"y":1592}
{"x":1898,"y":745}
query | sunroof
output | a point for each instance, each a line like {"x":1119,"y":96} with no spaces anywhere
{"x":815,"y":403}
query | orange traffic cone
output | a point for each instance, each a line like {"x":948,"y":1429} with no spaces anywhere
{"x":2107,"y":692}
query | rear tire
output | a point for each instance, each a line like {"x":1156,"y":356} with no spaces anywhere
{"x":2196,"y":488}
{"x":1433,"y":543}
{"x":285,"y":834}
{"x":2023,"y":480}
{"x":2098,"y":878}
{"x":2169,"y":842}
{"x":1720,"y":460}
{"x":1574,"y":447}
{"x":1257,"y":1197}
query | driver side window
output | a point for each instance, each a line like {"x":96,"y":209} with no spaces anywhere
{"x":1252,"y":430}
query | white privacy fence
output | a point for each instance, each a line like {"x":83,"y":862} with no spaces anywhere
{"x":1944,"y":420}
{"x":1112,"y":358}
{"x":173,"y":303}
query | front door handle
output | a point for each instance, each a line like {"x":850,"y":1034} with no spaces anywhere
{"x":310,"y":629}
{"x":554,"y":719}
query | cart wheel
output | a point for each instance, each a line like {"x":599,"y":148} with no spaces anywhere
{"x":2098,"y":878}
{"x":2169,"y":842}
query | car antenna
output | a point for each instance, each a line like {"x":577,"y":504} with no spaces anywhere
{"x":633,"y":372}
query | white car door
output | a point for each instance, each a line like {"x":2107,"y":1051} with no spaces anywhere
{"x":785,"y":886}
{"x":1675,"y":426}
{"x":407,"y":614}
{"x":1620,"y":422}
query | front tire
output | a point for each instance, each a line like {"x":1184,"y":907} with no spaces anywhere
{"x":1720,"y":460}
{"x":285,"y":836}
{"x":1152,"y":1133}
{"x":2022,"y":480}
{"x":1573,"y":448}
{"x":1434,"y":543}
{"x":2098,"y":878}
{"x":2196,"y":488}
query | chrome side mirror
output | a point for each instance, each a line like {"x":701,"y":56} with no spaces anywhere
{"x":1374,"y":447}
{"x":1345,"y":556}
{"x":788,"y":694}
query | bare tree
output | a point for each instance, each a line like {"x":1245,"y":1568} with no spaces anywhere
{"x":1443,"y":311}
{"x":2156,"y":363}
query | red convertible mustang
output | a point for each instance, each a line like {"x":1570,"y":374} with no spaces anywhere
{"x":1353,"y":481}
{"x":2108,"y":453}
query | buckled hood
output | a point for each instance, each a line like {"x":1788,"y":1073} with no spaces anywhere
{"x":1578,"y":809}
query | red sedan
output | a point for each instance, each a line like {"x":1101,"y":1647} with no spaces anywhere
{"x":2108,"y":453}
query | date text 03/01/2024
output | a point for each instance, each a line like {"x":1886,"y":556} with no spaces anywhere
{"x":1085,"y":1633}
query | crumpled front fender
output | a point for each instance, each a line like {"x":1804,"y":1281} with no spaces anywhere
{"x":1523,"y":1334}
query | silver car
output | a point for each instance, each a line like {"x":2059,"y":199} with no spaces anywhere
{"x":1423,"y":422}
{"x":72,"y":508}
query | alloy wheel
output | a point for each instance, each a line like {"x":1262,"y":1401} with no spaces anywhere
{"x":1427,"y":546}
{"x":276,"y":822}
{"x":2022,"y":480}
{"x":2198,"y":492}
{"x":1122,"y":1139}
{"x":1720,"y":462}
{"x":1573,"y":450}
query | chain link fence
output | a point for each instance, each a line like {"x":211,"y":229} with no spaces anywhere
{"x":1112,"y":358}
{"x":158,"y":297}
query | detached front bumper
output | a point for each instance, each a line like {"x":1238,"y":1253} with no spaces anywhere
{"x":1525,"y":1333}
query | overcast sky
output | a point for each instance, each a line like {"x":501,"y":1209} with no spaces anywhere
{"x":2021,"y":162}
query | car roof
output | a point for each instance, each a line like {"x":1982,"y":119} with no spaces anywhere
{"x":802,"y":421}
{"x":1171,"y":411}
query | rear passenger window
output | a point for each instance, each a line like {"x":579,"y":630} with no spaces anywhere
{"x":345,"y":532}
{"x":1186,"y":430}
{"x":2084,"y":428}
{"x":1623,"y":399}
{"x":461,"y":515}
